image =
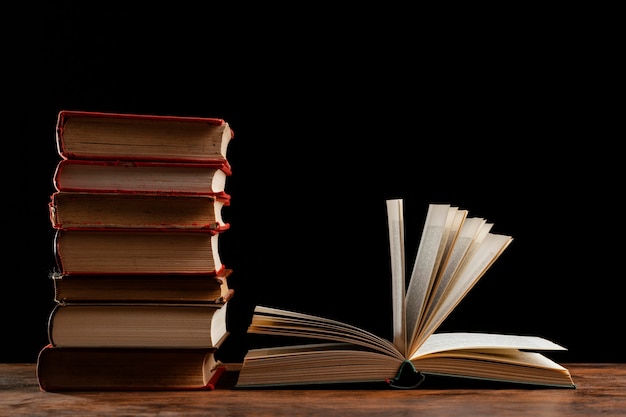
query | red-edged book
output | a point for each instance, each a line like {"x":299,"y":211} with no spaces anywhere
{"x":137,"y":251}
{"x":165,"y":289}
{"x":127,"y":369}
{"x":74,"y":210}
{"x":142,"y":177}
{"x":141,"y":137}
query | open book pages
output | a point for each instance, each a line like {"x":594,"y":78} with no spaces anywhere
{"x":274,"y":321}
{"x":352,"y":354}
{"x":454,"y":252}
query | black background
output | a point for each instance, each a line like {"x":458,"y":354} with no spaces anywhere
{"x":510,"y":114}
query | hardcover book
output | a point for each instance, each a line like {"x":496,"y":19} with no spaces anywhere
{"x":137,"y":325}
{"x":140,"y":290}
{"x":141,"y":177}
{"x":123,"y":369}
{"x":70,"y":289}
{"x":70,"y":210}
{"x":454,"y":252}
{"x":136,"y":137}
{"x":137,"y":252}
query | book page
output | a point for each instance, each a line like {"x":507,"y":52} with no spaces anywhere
{"x":456,"y":221}
{"x":219,"y":331}
{"x":395,"y":220}
{"x":471,"y":233}
{"x":471,"y":270}
{"x":319,"y":363}
{"x":440,"y":342}
{"x":278,"y":322}
{"x":503,"y":363}
{"x":429,"y":253}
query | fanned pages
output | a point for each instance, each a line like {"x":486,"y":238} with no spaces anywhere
{"x":453,"y":254}
{"x":395,"y":218}
{"x":429,"y":253}
{"x":455,"y":251}
{"x":486,"y":253}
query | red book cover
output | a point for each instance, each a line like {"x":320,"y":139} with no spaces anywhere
{"x":137,"y":252}
{"x":81,"y":210}
{"x":142,"y":177}
{"x":133,"y":137}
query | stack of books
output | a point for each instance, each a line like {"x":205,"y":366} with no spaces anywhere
{"x":140,"y":289}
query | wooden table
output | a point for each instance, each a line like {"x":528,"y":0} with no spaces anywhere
{"x":601,"y":390}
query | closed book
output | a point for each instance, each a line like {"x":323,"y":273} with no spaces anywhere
{"x":137,"y":137}
{"x":142,"y":288}
{"x":137,"y":251}
{"x":72,"y":210}
{"x":122,"y":369}
{"x":133,"y":325}
{"x":141,"y":177}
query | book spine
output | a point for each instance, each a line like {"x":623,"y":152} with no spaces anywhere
{"x":217,"y":375}
{"x":50,"y":325}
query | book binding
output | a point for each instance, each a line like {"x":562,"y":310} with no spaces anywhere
{"x":407,"y":377}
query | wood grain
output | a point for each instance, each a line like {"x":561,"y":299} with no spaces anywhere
{"x":601,"y":390}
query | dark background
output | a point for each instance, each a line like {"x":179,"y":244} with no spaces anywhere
{"x":510,"y":114}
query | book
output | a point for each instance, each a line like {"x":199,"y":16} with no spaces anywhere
{"x":140,"y":291}
{"x":72,"y":210}
{"x":135,"y":137}
{"x":137,"y":251}
{"x":142,"y":177}
{"x":121,"y":369}
{"x":142,"y":288}
{"x":137,"y":325}
{"x":454,"y":252}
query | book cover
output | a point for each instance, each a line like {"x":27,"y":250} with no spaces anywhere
{"x":127,"y":369}
{"x":142,"y":177}
{"x":136,"y":325}
{"x":72,"y":210}
{"x":142,"y":288}
{"x":137,"y":251}
{"x":133,"y":137}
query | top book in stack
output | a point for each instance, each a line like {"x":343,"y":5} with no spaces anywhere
{"x":85,"y":135}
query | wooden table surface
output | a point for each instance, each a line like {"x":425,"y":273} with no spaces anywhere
{"x":600,"y":390}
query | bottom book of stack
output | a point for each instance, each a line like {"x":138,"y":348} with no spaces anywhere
{"x":86,"y":369}
{"x":132,"y":347}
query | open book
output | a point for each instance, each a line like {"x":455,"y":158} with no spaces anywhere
{"x":454,"y":252}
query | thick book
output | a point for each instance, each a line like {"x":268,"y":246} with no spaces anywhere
{"x":127,"y":369}
{"x":142,"y":288}
{"x":138,"y":325}
{"x":142,"y":177}
{"x":137,"y":251}
{"x":141,"y":137}
{"x":454,"y":252}
{"x":72,"y":210}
